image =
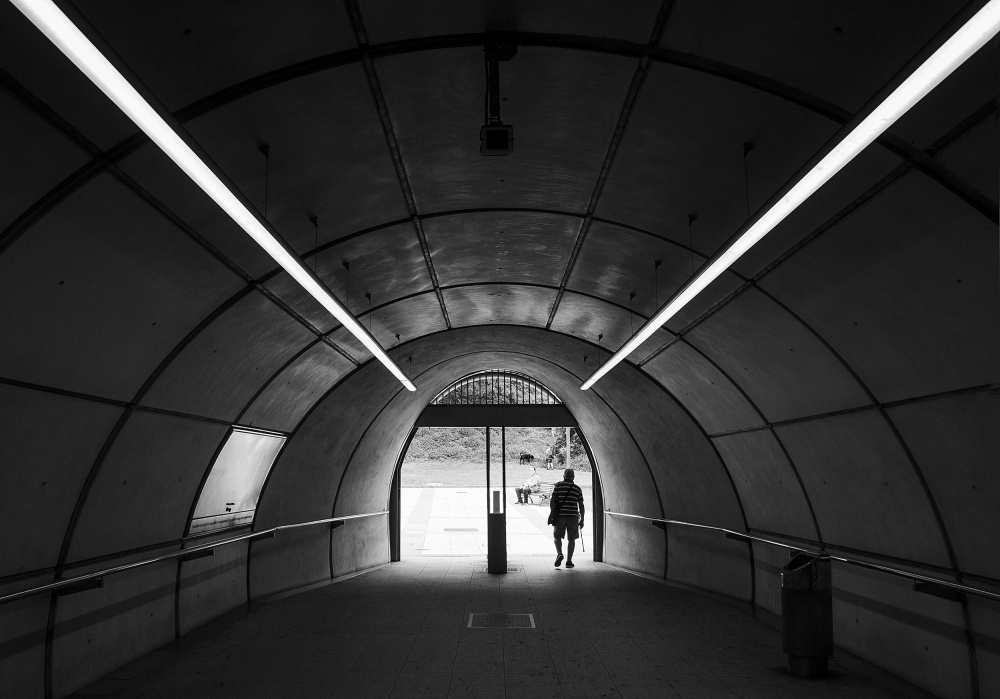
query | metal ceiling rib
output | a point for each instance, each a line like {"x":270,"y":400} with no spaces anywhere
{"x":357,"y":23}
{"x":638,"y":78}
{"x":103,"y":159}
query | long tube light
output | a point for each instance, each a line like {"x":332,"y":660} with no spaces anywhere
{"x":982,"y":27}
{"x":78,"y":48}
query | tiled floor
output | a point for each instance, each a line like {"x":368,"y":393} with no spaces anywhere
{"x":402,"y":631}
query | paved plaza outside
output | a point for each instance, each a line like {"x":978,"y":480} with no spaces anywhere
{"x":442,"y":521}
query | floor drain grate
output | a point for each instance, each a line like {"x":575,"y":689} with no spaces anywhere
{"x":501,"y":621}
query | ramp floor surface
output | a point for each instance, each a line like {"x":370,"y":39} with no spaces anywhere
{"x":435,"y":628}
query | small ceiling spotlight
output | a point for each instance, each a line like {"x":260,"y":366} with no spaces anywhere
{"x":495,"y":137}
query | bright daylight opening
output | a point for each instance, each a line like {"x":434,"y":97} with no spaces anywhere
{"x":455,"y":472}
{"x":443,"y":497}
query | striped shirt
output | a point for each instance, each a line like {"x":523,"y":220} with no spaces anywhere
{"x":568,"y":496}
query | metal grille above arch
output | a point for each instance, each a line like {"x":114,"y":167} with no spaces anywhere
{"x":496,"y":398}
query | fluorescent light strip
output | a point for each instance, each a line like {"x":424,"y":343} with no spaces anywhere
{"x":965,"y":42}
{"x":78,"y":48}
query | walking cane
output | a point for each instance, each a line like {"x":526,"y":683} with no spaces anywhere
{"x":582,"y":547}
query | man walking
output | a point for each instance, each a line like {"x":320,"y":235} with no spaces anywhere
{"x":566,"y":515}
{"x":530,"y":486}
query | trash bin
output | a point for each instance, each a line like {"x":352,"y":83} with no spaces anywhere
{"x":807,"y":614}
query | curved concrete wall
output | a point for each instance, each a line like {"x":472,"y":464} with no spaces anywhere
{"x":837,"y":387}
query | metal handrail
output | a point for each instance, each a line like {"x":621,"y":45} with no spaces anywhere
{"x":826,"y":554}
{"x":263,"y":534}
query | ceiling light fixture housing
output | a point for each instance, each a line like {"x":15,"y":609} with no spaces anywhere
{"x":162,"y":129}
{"x":495,"y":137}
{"x":860,"y":132}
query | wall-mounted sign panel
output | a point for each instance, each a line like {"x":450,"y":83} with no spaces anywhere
{"x":229,"y":497}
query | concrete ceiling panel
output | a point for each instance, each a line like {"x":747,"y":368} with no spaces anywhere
{"x":905,"y":290}
{"x":501,"y":304}
{"x":690,"y":477}
{"x":975,"y":156}
{"x":100,"y":291}
{"x":563,"y":106}
{"x":145,"y":487}
{"x":864,"y":490}
{"x":683,"y":155}
{"x":387,"y":263}
{"x":225,"y":364}
{"x":502,"y":246}
{"x":350,"y":344}
{"x":36,"y":158}
{"x":327,"y":159}
{"x":714,"y":401}
{"x":296,"y":389}
{"x":716,"y":292}
{"x":616,"y":261}
{"x":955,"y":443}
{"x":837,"y":195}
{"x":187,"y":49}
{"x":785,"y":369}
{"x":771,"y":494}
{"x":586,"y":318}
{"x":152,"y":170}
{"x":409,"y":318}
{"x":841,"y":53}
{"x":34,"y":62}
{"x":386,"y":20}
{"x":47,"y":447}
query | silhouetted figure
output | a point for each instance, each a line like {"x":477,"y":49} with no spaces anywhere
{"x":566,"y":515}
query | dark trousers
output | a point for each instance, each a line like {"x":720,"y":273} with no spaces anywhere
{"x":522,"y":492}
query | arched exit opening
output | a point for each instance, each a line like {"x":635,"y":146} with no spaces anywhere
{"x":499,"y":408}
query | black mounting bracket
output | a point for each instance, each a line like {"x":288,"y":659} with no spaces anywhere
{"x":495,"y":137}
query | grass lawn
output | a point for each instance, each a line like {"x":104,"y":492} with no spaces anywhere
{"x":452,"y":474}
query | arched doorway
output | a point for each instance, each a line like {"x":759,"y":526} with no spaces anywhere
{"x":501,"y":406}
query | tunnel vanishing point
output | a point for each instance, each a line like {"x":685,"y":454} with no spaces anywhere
{"x":451,"y":187}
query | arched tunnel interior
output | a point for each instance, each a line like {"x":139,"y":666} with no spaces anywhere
{"x":836,"y":388}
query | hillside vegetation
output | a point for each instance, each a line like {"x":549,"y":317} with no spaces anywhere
{"x":468,"y":444}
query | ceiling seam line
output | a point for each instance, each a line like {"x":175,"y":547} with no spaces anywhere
{"x":274,"y":375}
{"x":392,"y":144}
{"x":928,"y":493}
{"x":890,"y":405}
{"x":212,"y":250}
{"x":617,"y":135}
{"x":859,"y":202}
{"x":628,"y":105}
{"x":312,"y":65}
{"x":200,"y":107}
{"x":616,"y":47}
{"x":105,"y":162}
{"x":760,"y":414}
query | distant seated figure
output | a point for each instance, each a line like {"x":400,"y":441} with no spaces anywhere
{"x":530,"y":486}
